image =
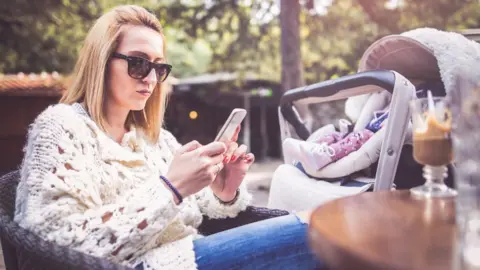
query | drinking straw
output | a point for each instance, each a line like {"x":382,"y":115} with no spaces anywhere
{"x":431,"y":105}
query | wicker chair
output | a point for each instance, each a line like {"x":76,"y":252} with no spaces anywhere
{"x":24,"y":250}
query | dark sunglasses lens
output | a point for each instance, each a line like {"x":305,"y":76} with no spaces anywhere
{"x":138,"y":68}
{"x":162,"y":73}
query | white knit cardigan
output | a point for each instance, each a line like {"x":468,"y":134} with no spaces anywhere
{"x":81,"y":189}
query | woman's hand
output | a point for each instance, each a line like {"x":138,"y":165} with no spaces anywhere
{"x":195,"y":166}
{"x":237,"y":162}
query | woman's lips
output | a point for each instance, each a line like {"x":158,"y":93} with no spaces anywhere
{"x":144,"y":93}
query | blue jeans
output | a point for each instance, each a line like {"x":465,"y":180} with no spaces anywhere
{"x":276,"y":243}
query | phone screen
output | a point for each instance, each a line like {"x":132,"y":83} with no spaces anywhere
{"x":233,"y":121}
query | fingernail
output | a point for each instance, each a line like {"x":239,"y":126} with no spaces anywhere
{"x":225,"y":159}
{"x":233,"y":158}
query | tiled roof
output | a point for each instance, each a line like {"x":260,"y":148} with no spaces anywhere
{"x":44,"y":84}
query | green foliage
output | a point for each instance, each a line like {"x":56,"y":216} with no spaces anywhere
{"x":43,"y":35}
{"x":245,"y":35}
{"x":188,"y":56}
{"x":441,"y":14}
{"x":223,"y":35}
{"x":336,"y":40}
{"x":238,"y":42}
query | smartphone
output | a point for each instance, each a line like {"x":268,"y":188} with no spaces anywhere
{"x":233,"y":121}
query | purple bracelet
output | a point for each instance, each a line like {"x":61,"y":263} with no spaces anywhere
{"x":175,"y":191}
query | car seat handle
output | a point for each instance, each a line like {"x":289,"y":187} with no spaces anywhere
{"x":335,"y":89}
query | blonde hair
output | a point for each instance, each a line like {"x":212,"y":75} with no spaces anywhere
{"x":89,"y":78}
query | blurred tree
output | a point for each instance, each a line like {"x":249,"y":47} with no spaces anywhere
{"x":403,"y":15}
{"x":241,"y":34}
{"x":292,"y":66}
{"x":43,"y":34}
{"x":245,"y":35}
{"x":335,"y":39}
{"x":226,"y":35}
{"x":188,"y":56}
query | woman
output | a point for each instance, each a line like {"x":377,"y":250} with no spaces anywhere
{"x":101,"y":176}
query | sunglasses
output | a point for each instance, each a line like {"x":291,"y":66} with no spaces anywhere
{"x":139,"y":68}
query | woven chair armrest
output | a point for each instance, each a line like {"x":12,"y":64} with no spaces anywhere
{"x":35,"y":253}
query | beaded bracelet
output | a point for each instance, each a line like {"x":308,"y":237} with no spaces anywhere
{"x":229,"y":202}
{"x":175,"y":191}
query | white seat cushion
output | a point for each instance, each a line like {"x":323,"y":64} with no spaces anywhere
{"x":293,"y":191}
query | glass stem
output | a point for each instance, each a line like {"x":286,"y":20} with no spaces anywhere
{"x":435,"y":175}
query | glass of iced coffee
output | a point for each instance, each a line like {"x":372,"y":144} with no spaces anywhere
{"x":432,"y":144}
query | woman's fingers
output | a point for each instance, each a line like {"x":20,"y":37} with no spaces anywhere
{"x":211,"y":149}
{"x":217,"y":158}
{"x":189,"y":147}
{"x":216,"y":168}
{"x":249,"y":158}
{"x":232,"y":147}
{"x":239,"y":153}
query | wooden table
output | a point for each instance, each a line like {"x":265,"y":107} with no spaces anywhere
{"x":385,"y":230}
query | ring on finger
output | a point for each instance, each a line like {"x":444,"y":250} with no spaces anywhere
{"x":219,"y":168}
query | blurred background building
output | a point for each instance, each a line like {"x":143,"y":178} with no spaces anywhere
{"x":197,"y":109}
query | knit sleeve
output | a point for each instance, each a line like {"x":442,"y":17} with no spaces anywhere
{"x":207,"y":202}
{"x":60,"y":199}
{"x":170,"y":140}
{"x":214,"y":208}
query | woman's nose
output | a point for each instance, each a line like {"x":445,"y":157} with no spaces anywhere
{"x":151,"y":77}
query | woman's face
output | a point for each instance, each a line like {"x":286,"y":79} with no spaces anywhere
{"x":123,"y":90}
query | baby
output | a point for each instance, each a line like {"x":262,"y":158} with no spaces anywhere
{"x":325,"y":149}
